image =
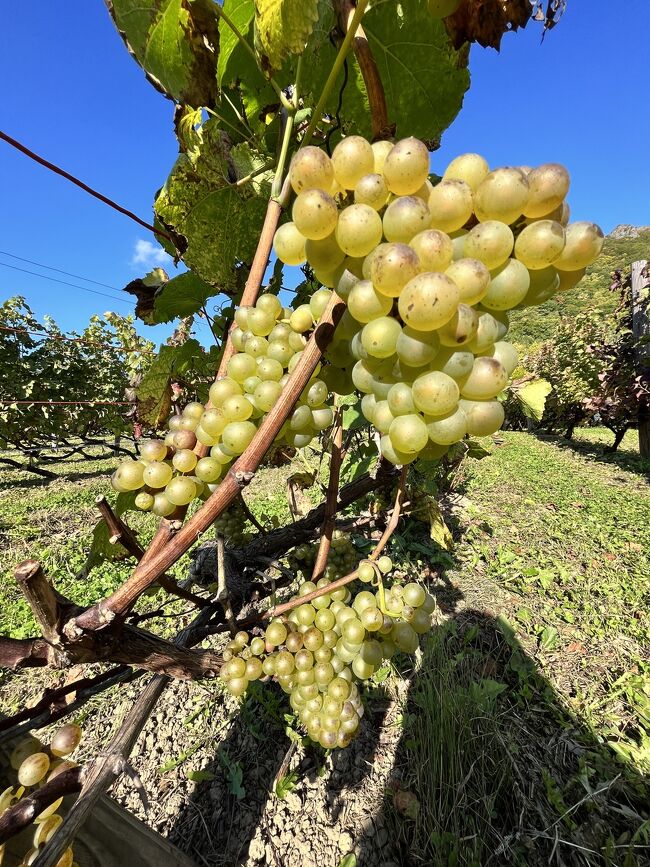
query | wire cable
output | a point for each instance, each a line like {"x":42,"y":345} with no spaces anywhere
{"x":59,"y":270}
{"x":65,"y":283}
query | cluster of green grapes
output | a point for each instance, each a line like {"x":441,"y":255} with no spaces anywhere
{"x":323,"y":647}
{"x":269,"y":340}
{"x":36,"y":764}
{"x":233,"y":526}
{"x":341,"y":561}
{"x":429,"y":274}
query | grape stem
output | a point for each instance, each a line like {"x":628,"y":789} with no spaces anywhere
{"x":331,"y":499}
{"x":380,"y":124}
{"x":222,"y":588}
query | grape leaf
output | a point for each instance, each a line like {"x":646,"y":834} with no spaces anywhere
{"x":154,"y":392}
{"x":176,"y":42}
{"x":486,"y":21}
{"x":532,"y":397}
{"x":180,"y":297}
{"x":219,"y":220}
{"x":424,"y":77}
{"x":282,"y":27}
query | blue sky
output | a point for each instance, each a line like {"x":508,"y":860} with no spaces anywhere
{"x":74,"y":95}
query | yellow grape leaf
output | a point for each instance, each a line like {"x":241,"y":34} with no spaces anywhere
{"x":532,"y":397}
{"x":282,"y":27}
{"x":439,"y":532}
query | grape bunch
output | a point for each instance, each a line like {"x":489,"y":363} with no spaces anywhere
{"x":341,"y":561}
{"x":429,"y":274}
{"x":34,"y":764}
{"x":233,"y":525}
{"x":323,"y":648}
{"x":269,"y":340}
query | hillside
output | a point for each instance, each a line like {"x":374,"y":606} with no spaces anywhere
{"x":624,"y":245}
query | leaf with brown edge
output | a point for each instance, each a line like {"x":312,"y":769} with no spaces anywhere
{"x":486,"y":21}
{"x":145,"y":290}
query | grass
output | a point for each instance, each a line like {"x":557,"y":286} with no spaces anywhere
{"x":526,"y":728}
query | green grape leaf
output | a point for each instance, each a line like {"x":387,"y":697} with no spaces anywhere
{"x":238,"y":74}
{"x":282,"y":27}
{"x":439,"y":532}
{"x":286,"y":784}
{"x":532,"y":397}
{"x":176,"y":42}
{"x":180,"y":297}
{"x":424,"y":77}
{"x":154,"y":392}
{"x":219,"y":220}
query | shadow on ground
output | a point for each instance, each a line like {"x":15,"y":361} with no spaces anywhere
{"x":479,"y":763}
{"x":626,"y":459}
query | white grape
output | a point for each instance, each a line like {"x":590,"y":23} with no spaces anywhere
{"x":508,"y":286}
{"x":502,"y":195}
{"x":315,"y":214}
{"x":289,"y":244}
{"x":539,"y":244}
{"x":404,"y":218}
{"x":352,"y":158}
{"x":428,"y":301}
{"x":311,"y":169}
{"x":470,"y":168}
{"x":584,"y":242}
{"x":548,"y":185}
{"x":406,"y":167}
{"x":359,"y":230}
{"x":450,"y":205}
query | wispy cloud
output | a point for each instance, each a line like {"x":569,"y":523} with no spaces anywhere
{"x":148,"y":254}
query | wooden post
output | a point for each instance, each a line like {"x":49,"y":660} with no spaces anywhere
{"x":641,"y":330}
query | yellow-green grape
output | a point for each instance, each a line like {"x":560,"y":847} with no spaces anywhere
{"x":219,"y":454}
{"x":406,"y":166}
{"x":157,"y":475}
{"x":33,"y":769}
{"x":352,"y":158}
{"x":185,"y":460}
{"x":366,"y":304}
{"x":180,"y":491}
{"x":539,"y":244}
{"x":405,"y":637}
{"x":237,"y":686}
{"x":544,"y":283}
{"x":256,"y":346}
{"x":569,"y":279}
{"x":458,"y":243}
{"x":276,"y":633}
{"x":400,"y":399}
{"x":382,"y":417}
{"x":318,"y":302}
{"x":461,"y":328}
{"x":315,"y":214}
{"x":369,"y":259}
{"x":313,"y":639}
{"x":322,"y":417}
{"x":23,"y":750}
{"x":372,"y":190}
{"x":491,"y":242}
{"x":268,"y":369}
{"x":128,"y":476}
{"x":472,"y":278}
{"x":380,"y":150}
{"x":447,"y":429}
{"x":404,"y":218}
{"x":45,"y":830}
{"x":237,"y":436}
{"x":434,"y":249}
{"x":266,"y":394}
{"x":221,"y":389}
{"x":284,"y":663}
{"x":548,"y":185}
{"x":450,"y":205}
{"x":408,"y":434}
{"x":281,"y":351}
{"x":506,"y":354}
{"x":66,"y":740}
{"x":584,"y":242}
{"x":434,"y":393}
{"x":428,"y":301}
{"x":194,"y":410}
{"x":502,"y":196}
{"x":470,"y":168}
{"x":393,"y":455}
{"x":184,"y":439}
{"x":487,"y":333}
{"x":324,"y":254}
{"x":508,"y":286}
{"x":372,"y":619}
{"x":379,"y":337}
{"x":392,"y":268}
{"x":241,"y":366}
{"x":301,"y":319}
{"x":362,"y":669}
{"x":301,"y":418}
{"x":253,"y":669}
{"x":238,"y":338}
{"x":316,"y":393}
{"x":417,"y":348}
{"x":353,"y":632}
{"x":205,"y":438}
{"x":241,"y":317}
{"x":358,"y":230}
{"x":261,"y":322}
{"x":153,"y":450}
{"x":455,"y":363}
{"x":162,"y":505}
{"x":487,"y":379}
{"x":484,"y":417}
{"x":311,"y":169}
{"x":368,"y":404}
{"x":208,"y":470}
